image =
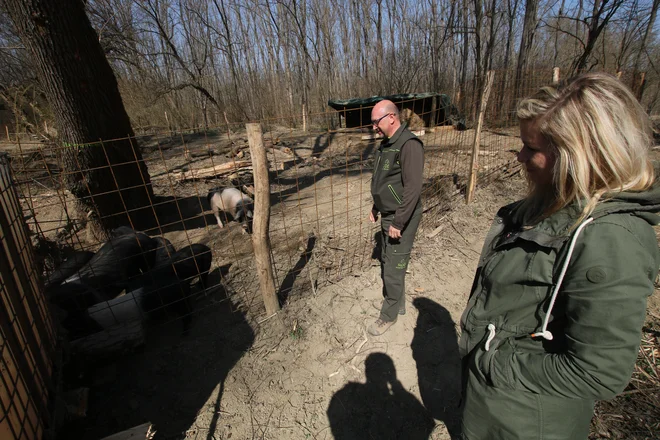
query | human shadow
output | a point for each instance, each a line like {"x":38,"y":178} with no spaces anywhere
{"x":289,"y":280}
{"x":169,"y":382}
{"x":435,"y":350}
{"x":380,"y":408}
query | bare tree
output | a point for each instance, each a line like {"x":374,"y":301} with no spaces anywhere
{"x":108,"y":178}
{"x":529,"y":30}
{"x":602,"y":12}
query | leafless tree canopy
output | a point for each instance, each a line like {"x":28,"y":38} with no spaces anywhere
{"x":191,"y":63}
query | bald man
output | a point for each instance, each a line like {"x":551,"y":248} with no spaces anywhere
{"x":396,"y":186}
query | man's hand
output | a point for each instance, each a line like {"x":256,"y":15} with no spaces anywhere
{"x":372,"y":217}
{"x":394,"y":232}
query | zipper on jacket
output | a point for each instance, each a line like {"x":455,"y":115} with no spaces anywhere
{"x":394,"y":194}
{"x":376,"y":168}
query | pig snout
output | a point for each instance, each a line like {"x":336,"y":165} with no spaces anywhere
{"x":69,"y":267}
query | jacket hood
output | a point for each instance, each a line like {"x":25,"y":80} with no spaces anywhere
{"x":643,"y":204}
{"x":554,"y":229}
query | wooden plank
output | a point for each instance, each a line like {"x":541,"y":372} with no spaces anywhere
{"x":142,"y":432}
{"x":204,"y":173}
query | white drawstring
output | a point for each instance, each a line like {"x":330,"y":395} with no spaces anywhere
{"x":491,"y":336}
{"x":545,"y":333}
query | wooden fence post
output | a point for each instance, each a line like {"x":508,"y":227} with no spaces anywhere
{"x":639,"y":79}
{"x":474,"y":165}
{"x":555,"y":75}
{"x":260,"y":238}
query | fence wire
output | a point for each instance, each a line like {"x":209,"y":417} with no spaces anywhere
{"x":320,"y":174}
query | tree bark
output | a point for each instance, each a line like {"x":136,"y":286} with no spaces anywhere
{"x":529,"y":29}
{"x":638,"y":89}
{"x":260,"y":234}
{"x":107,"y":177}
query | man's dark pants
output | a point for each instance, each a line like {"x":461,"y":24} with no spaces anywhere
{"x":395,"y":255}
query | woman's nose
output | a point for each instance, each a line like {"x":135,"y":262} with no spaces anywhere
{"x":523,"y":156}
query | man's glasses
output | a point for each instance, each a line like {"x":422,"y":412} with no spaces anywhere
{"x":377,"y":121}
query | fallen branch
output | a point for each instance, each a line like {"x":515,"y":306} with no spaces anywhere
{"x":362,"y":344}
{"x":435,"y":232}
{"x":203,"y":173}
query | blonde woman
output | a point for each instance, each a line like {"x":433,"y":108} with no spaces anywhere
{"x":554,"y":318}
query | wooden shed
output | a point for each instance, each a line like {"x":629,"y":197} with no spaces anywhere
{"x":433,"y":108}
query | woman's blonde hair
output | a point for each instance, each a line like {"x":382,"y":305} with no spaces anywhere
{"x":600,"y":136}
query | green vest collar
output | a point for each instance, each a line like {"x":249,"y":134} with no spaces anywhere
{"x":397,"y":134}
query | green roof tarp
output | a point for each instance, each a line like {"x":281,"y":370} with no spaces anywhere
{"x":357,"y":111}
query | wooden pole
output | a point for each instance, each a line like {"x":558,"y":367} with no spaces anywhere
{"x":434,"y":108}
{"x":474,"y":166}
{"x":555,"y":75}
{"x":638,"y":84}
{"x":260,"y":238}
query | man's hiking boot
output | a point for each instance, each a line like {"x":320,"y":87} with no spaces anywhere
{"x":379,"y":327}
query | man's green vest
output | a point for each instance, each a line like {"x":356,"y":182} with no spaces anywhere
{"x":387,"y":181}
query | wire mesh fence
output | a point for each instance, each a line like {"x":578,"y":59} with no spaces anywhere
{"x":319,"y":180}
{"x":175,"y":261}
{"x":27,"y":336}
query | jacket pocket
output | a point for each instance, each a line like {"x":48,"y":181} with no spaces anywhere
{"x":491,"y":413}
{"x":396,"y":196}
{"x":563,"y":418}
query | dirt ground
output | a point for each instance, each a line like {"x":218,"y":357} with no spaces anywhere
{"x":312,"y":369}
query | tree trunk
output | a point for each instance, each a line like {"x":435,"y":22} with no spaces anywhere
{"x":512,"y":10}
{"x":601,"y":15}
{"x":529,"y":29}
{"x":465,"y":52}
{"x":107,"y":177}
{"x":637,"y":88}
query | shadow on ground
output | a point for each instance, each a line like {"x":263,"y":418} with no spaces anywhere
{"x":290,"y":278}
{"x":170,"y":382}
{"x":435,"y":350}
{"x":380,"y":408}
{"x":178,"y":214}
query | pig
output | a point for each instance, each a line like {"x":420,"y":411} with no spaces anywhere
{"x":164,"y":250}
{"x":192,"y":261}
{"x":162,"y":291}
{"x":233,"y":202}
{"x":151,"y":295}
{"x":67,"y":268}
{"x":109,"y":271}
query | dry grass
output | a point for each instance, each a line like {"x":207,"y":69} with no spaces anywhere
{"x":635,"y":413}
